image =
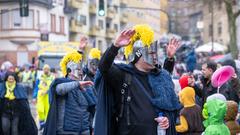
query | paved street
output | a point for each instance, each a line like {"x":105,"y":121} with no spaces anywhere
{"x":34,"y":112}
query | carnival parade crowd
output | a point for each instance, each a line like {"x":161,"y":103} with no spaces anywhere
{"x":100,"y":96}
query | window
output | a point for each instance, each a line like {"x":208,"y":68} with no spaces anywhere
{"x":210,"y":7}
{"x":5,"y":20}
{"x":116,"y":9}
{"x":116,"y":27}
{"x":60,"y":2}
{"x":17,"y":20}
{"x":100,"y":24}
{"x":108,"y":23}
{"x":30,"y":20}
{"x":219,"y":28}
{"x":53,"y":23}
{"x":99,"y":44}
{"x":83,"y":20}
{"x":38,"y":19}
{"x":186,"y":25}
{"x":219,"y":5}
{"x":210,"y":30}
{"x":139,"y":14}
{"x":61,"y":25}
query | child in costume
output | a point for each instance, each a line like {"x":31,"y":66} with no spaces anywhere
{"x":214,"y":112}
{"x":190,"y":116}
{"x":230,"y":118}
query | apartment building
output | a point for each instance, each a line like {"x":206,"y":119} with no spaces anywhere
{"x":19,"y":35}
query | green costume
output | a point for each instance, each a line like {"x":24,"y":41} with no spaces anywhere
{"x":216,"y":111}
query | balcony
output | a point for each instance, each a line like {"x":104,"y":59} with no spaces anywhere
{"x":20,"y":36}
{"x":46,"y":3}
{"x":92,"y":8}
{"x":124,"y":2}
{"x":75,"y":26}
{"x":110,"y":33}
{"x":110,"y":13}
{"x":124,"y":18}
{"x":94,"y":30}
{"x":75,"y":3}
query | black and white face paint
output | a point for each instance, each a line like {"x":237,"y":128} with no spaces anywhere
{"x":93,"y":65}
{"x":76,"y":70}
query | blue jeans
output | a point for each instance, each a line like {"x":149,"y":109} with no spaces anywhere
{"x":10,"y":125}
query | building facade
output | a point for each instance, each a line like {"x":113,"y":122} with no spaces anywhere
{"x":164,"y":17}
{"x":215,"y":22}
{"x":19,"y":35}
{"x":69,"y":20}
{"x":185,"y":15}
{"x":144,"y":14}
{"x":84,"y":19}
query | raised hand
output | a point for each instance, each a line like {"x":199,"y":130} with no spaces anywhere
{"x":83,"y":43}
{"x":124,"y":38}
{"x":172,"y":47}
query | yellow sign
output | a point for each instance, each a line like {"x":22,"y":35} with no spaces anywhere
{"x":57,"y":47}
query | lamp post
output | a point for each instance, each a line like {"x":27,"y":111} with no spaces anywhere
{"x":212,"y":31}
{"x":200,"y":26}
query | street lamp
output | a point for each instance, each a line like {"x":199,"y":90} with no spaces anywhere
{"x":200,"y":26}
{"x":212,"y":34}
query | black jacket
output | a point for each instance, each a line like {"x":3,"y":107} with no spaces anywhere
{"x":208,"y":90}
{"x":114,"y":77}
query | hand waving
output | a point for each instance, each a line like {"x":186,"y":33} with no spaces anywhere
{"x":83,"y":43}
{"x":124,"y":38}
{"x":172,"y":47}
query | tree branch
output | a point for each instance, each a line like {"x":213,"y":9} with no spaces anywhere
{"x":237,"y":14}
{"x":227,"y":1}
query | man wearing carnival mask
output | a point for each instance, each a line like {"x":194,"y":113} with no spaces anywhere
{"x":69,"y":101}
{"x":130,"y":97}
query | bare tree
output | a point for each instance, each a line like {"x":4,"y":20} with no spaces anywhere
{"x":232,"y":17}
{"x":232,"y":13}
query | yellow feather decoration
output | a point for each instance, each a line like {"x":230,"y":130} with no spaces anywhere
{"x":144,"y":33}
{"x":74,"y":57}
{"x":95,"y":53}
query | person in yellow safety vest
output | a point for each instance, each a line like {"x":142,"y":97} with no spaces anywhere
{"x":27,"y":80}
{"x":33,"y":75}
{"x":41,"y":93}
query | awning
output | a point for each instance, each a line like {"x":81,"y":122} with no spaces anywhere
{"x":208,"y":47}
